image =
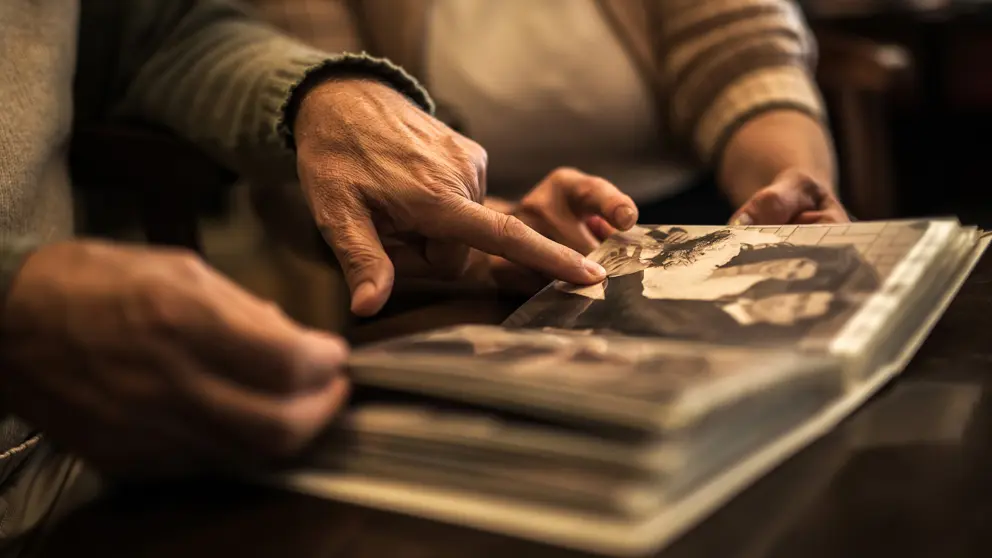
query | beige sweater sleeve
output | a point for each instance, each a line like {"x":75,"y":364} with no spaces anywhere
{"x":228,"y":82}
{"x":725,"y":61}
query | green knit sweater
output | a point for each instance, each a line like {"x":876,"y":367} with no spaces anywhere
{"x":201,"y":68}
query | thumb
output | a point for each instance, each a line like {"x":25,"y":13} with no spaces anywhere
{"x":366,"y":267}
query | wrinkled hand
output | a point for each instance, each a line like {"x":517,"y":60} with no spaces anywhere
{"x":147,"y":362}
{"x":388,"y":184}
{"x":569,"y":207}
{"x":792,"y":199}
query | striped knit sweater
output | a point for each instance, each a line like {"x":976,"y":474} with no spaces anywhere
{"x":713,"y":63}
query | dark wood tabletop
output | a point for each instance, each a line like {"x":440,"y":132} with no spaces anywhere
{"x":909,"y":475}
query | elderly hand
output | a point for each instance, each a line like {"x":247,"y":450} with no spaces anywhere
{"x":390,"y":185}
{"x":570,"y":207}
{"x":793,"y":198}
{"x":146,"y":362}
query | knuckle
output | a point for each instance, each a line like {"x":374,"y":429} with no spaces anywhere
{"x":433,"y":209}
{"x":361,"y":264}
{"x":535,"y":207}
{"x":601,"y":185}
{"x":807,"y":185}
{"x":467,"y":168}
{"x":464,"y":165}
{"x":590,"y":189}
{"x":561,"y":177}
{"x":438,"y":199}
{"x":565,"y":172}
{"x":481,"y":155}
{"x":188,"y":265}
{"x":356,"y":254}
{"x":769,"y":201}
{"x":511,"y":228}
{"x":274,"y":311}
{"x":163,"y":307}
{"x":468,"y":177}
{"x":329,"y":210}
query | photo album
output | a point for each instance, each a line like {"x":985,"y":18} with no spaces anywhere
{"x":611,"y":418}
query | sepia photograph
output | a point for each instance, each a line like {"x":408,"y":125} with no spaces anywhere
{"x":729,"y":285}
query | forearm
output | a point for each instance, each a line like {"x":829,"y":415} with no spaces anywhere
{"x":742,"y":97}
{"x":770,"y":143}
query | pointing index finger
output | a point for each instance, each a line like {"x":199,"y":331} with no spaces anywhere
{"x":508,"y":237}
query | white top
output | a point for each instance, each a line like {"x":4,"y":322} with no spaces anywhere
{"x":543,"y":84}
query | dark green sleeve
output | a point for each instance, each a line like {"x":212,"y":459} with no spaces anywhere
{"x":211,"y":73}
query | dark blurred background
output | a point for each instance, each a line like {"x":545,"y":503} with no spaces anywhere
{"x":910,"y":90}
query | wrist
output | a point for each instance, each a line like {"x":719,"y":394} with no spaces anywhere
{"x":343,"y":69}
{"x":771,"y":144}
{"x":338,"y":92}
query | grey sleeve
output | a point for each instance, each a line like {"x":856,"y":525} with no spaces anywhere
{"x":227,"y":82}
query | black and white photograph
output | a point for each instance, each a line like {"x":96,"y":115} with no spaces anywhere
{"x":728,"y":285}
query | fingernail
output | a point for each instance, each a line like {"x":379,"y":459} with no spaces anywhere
{"x":594,"y":269}
{"x":625,"y":217}
{"x":742,"y":220}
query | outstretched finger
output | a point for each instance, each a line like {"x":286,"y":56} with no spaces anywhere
{"x":562,"y":228}
{"x":508,"y":237}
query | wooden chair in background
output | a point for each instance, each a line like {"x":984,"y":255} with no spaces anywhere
{"x":859,"y":79}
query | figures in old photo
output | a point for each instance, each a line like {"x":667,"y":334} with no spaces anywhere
{"x":729,"y":285}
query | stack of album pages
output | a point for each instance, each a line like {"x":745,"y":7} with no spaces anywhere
{"x":613,"y":417}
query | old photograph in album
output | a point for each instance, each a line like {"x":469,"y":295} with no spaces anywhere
{"x":800,"y":286}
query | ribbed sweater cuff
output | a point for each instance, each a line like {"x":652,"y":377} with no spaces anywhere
{"x":287,"y":88}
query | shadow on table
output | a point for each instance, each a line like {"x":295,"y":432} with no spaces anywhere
{"x":215,"y":519}
{"x":859,"y":491}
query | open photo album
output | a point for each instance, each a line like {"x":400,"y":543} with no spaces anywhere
{"x":611,"y":418}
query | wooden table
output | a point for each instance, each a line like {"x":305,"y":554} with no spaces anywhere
{"x":909,"y":475}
